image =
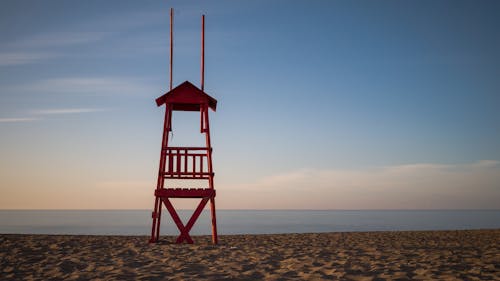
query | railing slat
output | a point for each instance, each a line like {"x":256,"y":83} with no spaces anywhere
{"x":180,"y":157}
{"x":194,"y":164}
{"x":185,"y":161}
{"x":201,"y":164}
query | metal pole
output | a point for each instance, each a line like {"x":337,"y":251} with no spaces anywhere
{"x":171,"y":44}
{"x":202,"y":52}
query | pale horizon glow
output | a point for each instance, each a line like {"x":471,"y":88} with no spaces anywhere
{"x":414,"y":187}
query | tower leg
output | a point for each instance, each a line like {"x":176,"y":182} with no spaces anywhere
{"x":159,"y":219}
{"x":154,"y":235}
{"x":214,"y":220}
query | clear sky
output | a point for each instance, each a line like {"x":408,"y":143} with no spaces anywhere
{"x":322,"y":104}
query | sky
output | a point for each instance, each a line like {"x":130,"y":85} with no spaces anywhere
{"x":321,"y":104}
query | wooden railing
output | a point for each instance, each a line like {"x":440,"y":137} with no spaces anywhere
{"x":186,"y":163}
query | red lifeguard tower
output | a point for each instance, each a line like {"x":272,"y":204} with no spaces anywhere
{"x":185,"y":163}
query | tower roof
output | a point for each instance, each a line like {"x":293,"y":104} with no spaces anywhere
{"x":186,"y":97}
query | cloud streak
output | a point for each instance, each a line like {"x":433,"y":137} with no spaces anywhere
{"x":68,"y":111}
{"x":418,"y":186}
{"x":55,"y":44}
{"x":18,"y":120}
{"x":58,"y":39}
{"x":88,"y":86}
{"x":40,"y":48}
{"x":19,"y":58}
{"x":59,"y":111}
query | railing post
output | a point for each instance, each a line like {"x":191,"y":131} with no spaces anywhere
{"x":170,"y":162}
{"x":201,"y":166}
{"x":185,"y":160}
{"x":194,"y":165}
{"x":178,"y":168}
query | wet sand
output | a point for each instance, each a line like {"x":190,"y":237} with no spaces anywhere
{"x":409,"y":255}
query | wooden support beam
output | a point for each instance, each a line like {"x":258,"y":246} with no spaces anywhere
{"x":185,"y":231}
{"x":185,"y":193}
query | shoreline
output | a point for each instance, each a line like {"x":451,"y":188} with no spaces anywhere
{"x":379,"y":255}
{"x":254,"y":234}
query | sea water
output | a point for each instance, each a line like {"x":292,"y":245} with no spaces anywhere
{"x":138,"y":222}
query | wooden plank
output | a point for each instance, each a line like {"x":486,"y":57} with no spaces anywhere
{"x":186,"y":147}
{"x":185,"y":193}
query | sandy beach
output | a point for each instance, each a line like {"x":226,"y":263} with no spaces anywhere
{"x":415,"y":255}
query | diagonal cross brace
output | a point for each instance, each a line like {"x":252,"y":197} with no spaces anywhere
{"x":185,"y":229}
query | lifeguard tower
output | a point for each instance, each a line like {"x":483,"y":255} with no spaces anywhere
{"x":185,"y":163}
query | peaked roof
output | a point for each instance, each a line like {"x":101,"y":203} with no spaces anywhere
{"x":187,"y":97}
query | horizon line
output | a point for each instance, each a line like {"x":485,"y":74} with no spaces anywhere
{"x":450,"y":209}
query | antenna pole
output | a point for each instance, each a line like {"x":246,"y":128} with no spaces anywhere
{"x":171,"y":44}
{"x":202,"y":52}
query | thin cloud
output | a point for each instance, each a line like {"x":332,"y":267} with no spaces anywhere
{"x":18,"y":120}
{"x":418,"y":186}
{"x":57,"y":111}
{"x":88,"y":86}
{"x":130,"y":184}
{"x":18,"y":58}
{"x":57,"y":39}
{"x":125,"y":21}
{"x":41,"y":47}
{"x":68,"y":111}
{"x":55,"y":44}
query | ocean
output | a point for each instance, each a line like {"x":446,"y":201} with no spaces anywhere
{"x":138,"y":222}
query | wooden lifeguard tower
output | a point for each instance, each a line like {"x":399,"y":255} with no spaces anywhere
{"x":185,"y":163}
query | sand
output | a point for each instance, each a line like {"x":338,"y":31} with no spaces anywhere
{"x":415,"y":255}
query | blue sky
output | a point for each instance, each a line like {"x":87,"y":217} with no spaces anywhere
{"x":377,"y":104}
